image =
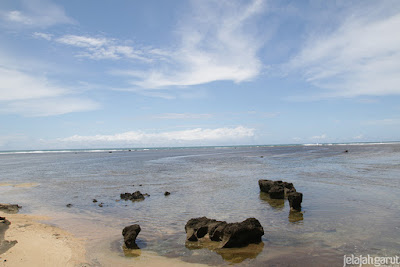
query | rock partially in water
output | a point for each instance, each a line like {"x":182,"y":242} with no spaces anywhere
{"x":134,"y":196}
{"x":275,"y":188}
{"x":295,"y":199}
{"x":10,"y":208}
{"x":265,"y":185}
{"x":237,"y":235}
{"x":277,"y":192}
{"x":230,"y":235}
{"x":167,"y":193}
{"x":197,"y":228}
{"x":130,"y":234}
{"x":69,"y":205}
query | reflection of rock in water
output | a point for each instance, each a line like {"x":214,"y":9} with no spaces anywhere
{"x":237,"y":255}
{"x":233,"y":255}
{"x":295,"y":216}
{"x":274,"y":203}
{"x":133,"y":253}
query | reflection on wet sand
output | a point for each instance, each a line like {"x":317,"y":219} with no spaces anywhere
{"x":232,"y":255}
{"x":131,"y":252}
{"x":278,"y":204}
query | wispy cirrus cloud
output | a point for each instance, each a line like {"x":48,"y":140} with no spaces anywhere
{"x":219,"y":46}
{"x":214,"y":44}
{"x":35,"y":13}
{"x":102,"y":48}
{"x":185,"y":137}
{"x":361,"y":57}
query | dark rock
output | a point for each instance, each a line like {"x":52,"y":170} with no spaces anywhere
{"x":146,"y":195}
{"x":241,"y":234}
{"x":69,"y":205}
{"x":194,"y":225}
{"x":216,"y":231}
{"x":346,"y":151}
{"x":167,"y":193}
{"x":295,"y":199}
{"x":277,"y":192}
{"x":230,"y":234}
{"x":140,"y":185}
{"x":10,"y":208}
{"x":265,"y":185}
{"x":134,"y":196}
{"x":94,"y":200}
{"x":130,"y":233}
{"x":101,"y":205}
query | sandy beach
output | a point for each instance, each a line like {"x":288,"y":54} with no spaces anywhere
{"x":39,"y":244}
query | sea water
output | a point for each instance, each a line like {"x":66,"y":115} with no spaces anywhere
{"x":350,"y":199}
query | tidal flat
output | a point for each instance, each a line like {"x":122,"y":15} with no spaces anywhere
{"x":350,"y":201}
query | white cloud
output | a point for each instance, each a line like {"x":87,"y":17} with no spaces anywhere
{"x":36,"y":13}
{"x":42,"y":35}
{"x":82,"y":41}
{"x":17,"y":85}
{"x":49,"y":106}
{"x":101,"y":48}
{"x":362,"y":57}
{"x":215,"y":44}
{"x":193,"y":136}
{"x":319,"y":137}
{"x":30,"y":94}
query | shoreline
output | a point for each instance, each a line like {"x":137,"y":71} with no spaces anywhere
{"x":29,"y":241}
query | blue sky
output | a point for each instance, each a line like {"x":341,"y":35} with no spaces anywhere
{"x":78,"y":74}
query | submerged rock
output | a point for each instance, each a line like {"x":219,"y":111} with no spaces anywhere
{"x":230,"y":235}
{"x":130,"y":234}
{"x":10,"y":208}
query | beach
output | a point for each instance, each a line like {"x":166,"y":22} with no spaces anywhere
{"x":350,"y":204}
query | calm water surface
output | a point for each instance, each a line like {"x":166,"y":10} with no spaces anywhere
{"x":350,"y":205}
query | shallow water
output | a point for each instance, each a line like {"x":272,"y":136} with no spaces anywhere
{"x":350,"y":204}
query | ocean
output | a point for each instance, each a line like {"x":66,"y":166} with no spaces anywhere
{"x":350,"y":199}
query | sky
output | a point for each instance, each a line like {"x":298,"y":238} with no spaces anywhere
{"x":97,"y":74}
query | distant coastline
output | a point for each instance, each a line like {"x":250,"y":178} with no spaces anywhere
{"x":133,"y":149}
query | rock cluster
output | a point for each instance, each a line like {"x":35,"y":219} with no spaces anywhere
{"x":231,"y":235}
{"x":280,"y":190}
{"x":134,"y":196}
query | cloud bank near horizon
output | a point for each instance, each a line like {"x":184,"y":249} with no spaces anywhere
{"x":197,"y":136}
